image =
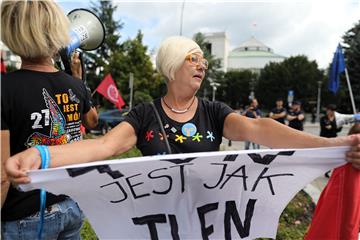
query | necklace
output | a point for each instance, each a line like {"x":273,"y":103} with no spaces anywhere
{"x":177,"y":110}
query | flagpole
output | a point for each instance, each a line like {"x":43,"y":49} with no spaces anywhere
{"x":92,"y":94}
{"x":350,"y":91}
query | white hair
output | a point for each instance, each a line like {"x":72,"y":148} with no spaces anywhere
{"x":171,"y":55}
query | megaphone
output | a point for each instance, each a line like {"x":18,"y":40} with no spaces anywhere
{"x":87,"y":33}
{"x":342,"y":119}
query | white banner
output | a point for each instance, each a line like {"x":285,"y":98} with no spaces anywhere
{"x":214,"y":195}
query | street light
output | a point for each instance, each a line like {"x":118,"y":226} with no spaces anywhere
{"x":318,"y":102}
{"x":214,"y":86}
{"x":181,"y":17}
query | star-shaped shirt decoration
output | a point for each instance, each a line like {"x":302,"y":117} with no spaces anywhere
{"x":162,"y":137}
{"x":210,"y":136}
{"x":180,"y":138}
{"x":149,"y":135}
{"x":197,"y":137}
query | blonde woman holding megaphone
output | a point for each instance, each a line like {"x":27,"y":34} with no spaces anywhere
{"x":40,"y":105}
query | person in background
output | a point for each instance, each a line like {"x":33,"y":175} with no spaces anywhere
{"x":190,"y":124}
{"x":278,"y":113}
{"x":40,"y":105}
{"x":252,"y":112}
{"x":296,"y":116}
{"x":313,"y":114}
{"x":328,"y":126}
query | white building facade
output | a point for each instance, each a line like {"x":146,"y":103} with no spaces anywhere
{"x":250,"y":55}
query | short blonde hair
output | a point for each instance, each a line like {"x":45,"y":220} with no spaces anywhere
{"x":171,"y":55}
{"x":34,"y":29}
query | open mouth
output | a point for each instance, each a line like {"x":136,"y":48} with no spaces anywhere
{"x":199,"y":76}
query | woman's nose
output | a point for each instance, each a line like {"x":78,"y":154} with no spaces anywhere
{"x":200,"y":66}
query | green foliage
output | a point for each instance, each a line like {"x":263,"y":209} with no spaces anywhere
{"x":96,"y":60}
{"x":121,"y":59}
{"x":134,"y":58}
{"x":87,"y":233}
{"x":213,"y":74}
{"x":296,"y":218}
{"x":142,"y":97}
{"x":134,"y":152}
{"x":352,"y":59}
{"x":351,"y":49}
{"x":11,"y":68}
{"x":294,"y":73}
{"x":235,"y":88}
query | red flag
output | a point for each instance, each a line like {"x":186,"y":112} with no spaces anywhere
{"x":337,"y":214}
{"x":109,"y":90}
{"x":3,"y":67}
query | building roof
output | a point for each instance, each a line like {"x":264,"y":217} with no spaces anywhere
{"x":253,"y":48}
{"x":254,"y":54}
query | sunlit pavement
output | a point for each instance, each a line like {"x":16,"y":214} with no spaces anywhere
{"x":315,"y":187}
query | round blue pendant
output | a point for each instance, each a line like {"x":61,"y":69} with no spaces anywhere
{"x":188,"y":129}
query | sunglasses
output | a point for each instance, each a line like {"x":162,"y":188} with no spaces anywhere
{"x":196,"y":59}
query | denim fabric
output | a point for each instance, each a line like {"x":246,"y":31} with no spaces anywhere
{"x":62,"y":221}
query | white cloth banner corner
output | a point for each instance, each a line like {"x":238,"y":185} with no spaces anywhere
{"x":213,"y":195}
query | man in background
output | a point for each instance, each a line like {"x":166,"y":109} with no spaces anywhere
{"x":252,"y":112}
{"x":278,"y":113}
{"x":296,"y":116}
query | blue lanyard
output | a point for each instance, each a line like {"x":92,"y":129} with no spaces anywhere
{"x":45,"y":162}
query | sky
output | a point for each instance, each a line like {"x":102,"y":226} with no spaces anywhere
{"x":290,"y":27}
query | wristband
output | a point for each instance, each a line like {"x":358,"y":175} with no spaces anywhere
{"x":45,"y":162}
{"x":45,"y":155}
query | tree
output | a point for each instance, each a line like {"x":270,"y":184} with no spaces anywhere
{"x":133,"y":58}
{"x":213,"y":74}
{"x":121,"y":59}
{"x":352,"y":58}
{"x":294,"y":73}
{"x":235,"y":88}
{"x":97,"y":60}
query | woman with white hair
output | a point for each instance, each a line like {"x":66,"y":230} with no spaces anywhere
{"x":187,"y":122}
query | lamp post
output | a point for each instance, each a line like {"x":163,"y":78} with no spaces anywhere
{"x":318,"y":101}
{"x":214,"y":86}
{"x":181,"y":17}
{"x":131,"y":86}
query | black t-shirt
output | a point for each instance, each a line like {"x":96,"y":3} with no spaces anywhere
{"x":253,"y":113}
{"x":39,"y":108}
{"x":296,"y":123}
{"x":200,"y":134}
{"x":328,"y":128}
{"x":277,"y":111}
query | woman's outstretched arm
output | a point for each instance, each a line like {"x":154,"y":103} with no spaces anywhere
{"x":118,"y":140}
{"x":270,"y":133}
